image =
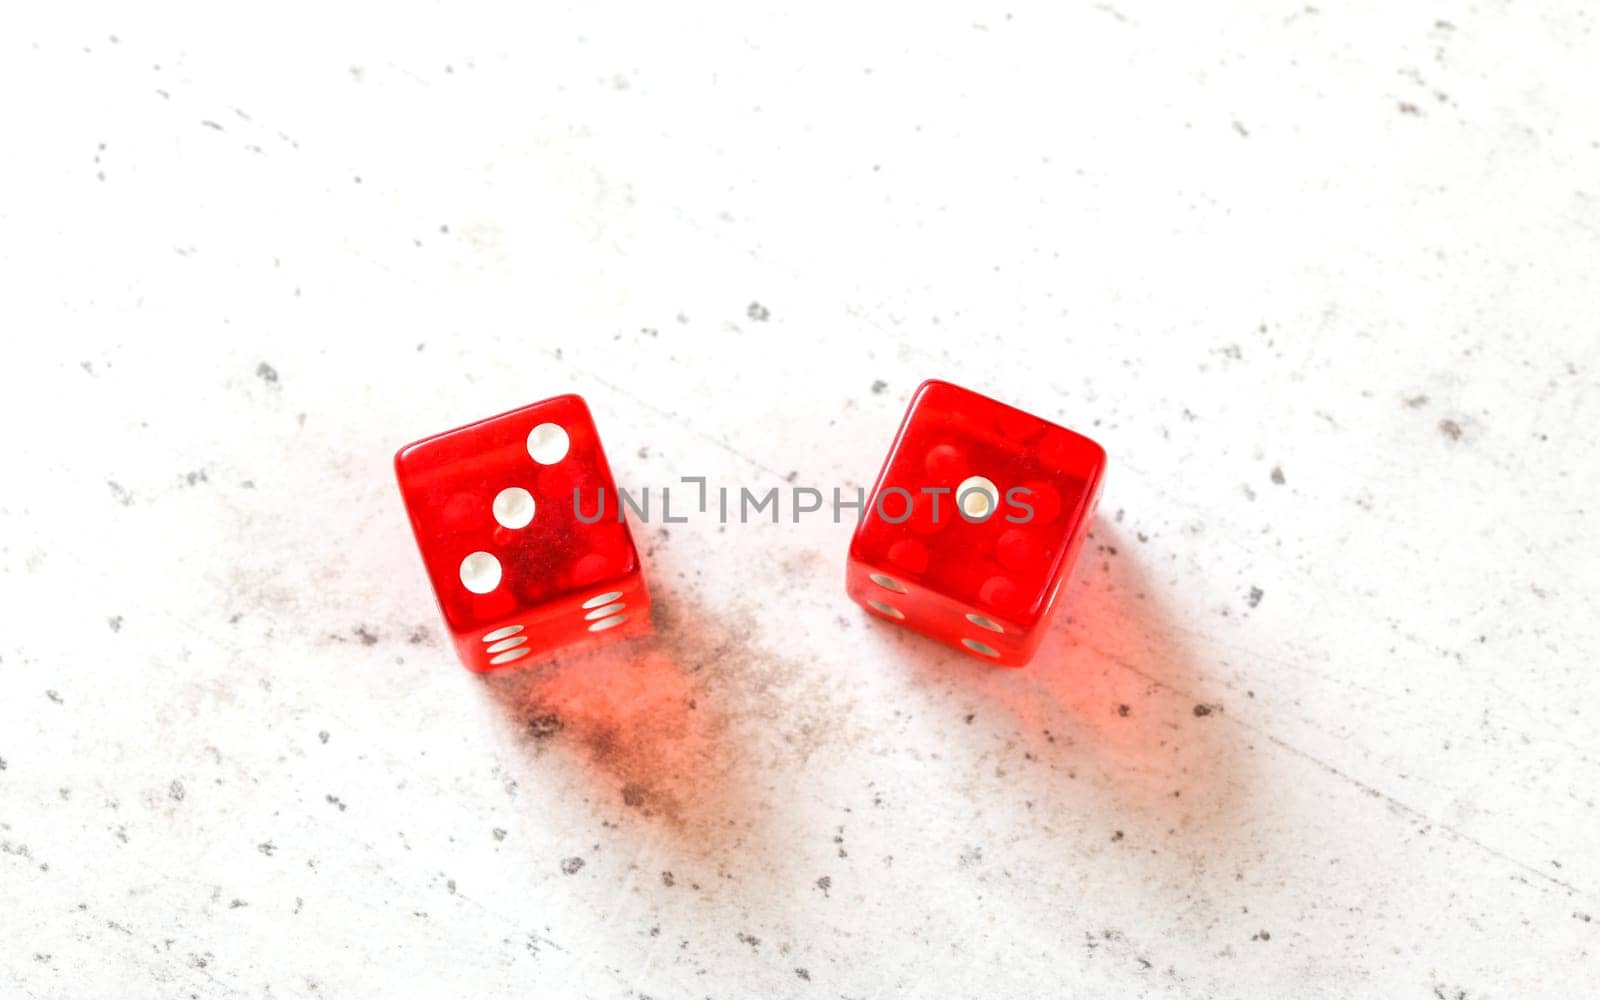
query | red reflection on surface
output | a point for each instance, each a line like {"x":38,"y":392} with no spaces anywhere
{"x":643,"y":720}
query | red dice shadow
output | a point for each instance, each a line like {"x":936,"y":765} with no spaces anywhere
{"x":642,"y":720}
{"x":1115,"y":721}
{"x":1119,"y":721}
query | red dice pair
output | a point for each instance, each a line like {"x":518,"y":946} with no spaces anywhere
{"x":968,"y":535}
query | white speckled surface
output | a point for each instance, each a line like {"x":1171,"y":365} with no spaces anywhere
{"x":1320,"y":722}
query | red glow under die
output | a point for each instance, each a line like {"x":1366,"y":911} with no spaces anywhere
{"x":975,"y":577}
{"x":515,"y":571}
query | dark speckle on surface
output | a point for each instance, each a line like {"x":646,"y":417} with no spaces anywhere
{"x":366,"y":635}
{"x":878,"y":387}
{"x":544,"y":726}
{"x":1201,"y":711}
{"x":54,"y":696}
{"x":758,"y":312}
{"x":176,"y":790}
{"x":323,"y":736}
{"x":803,"y":974}
{"x":267,"y":373}
{"x":825,"y":883}
{"x":1277,"y":475}
{"x":1256,"y":594}
{"x":499,"y":834}
{"x":1123,"y":710}
{"x":120,"y":493}
{"x":571,"y":866}
{"x":1450,"y":429}
{"x":668,"y":880}
{"x":115,"y":621}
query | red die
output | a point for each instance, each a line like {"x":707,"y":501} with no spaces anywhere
{"x":496,"y":510}
{"x":975,"y":522}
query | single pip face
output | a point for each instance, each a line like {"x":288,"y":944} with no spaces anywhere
{"x":494,"y":507}
{"x":975,"y":522}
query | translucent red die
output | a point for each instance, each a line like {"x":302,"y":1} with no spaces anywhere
{"x":499,"y":509}
{"x":974,"y":523}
